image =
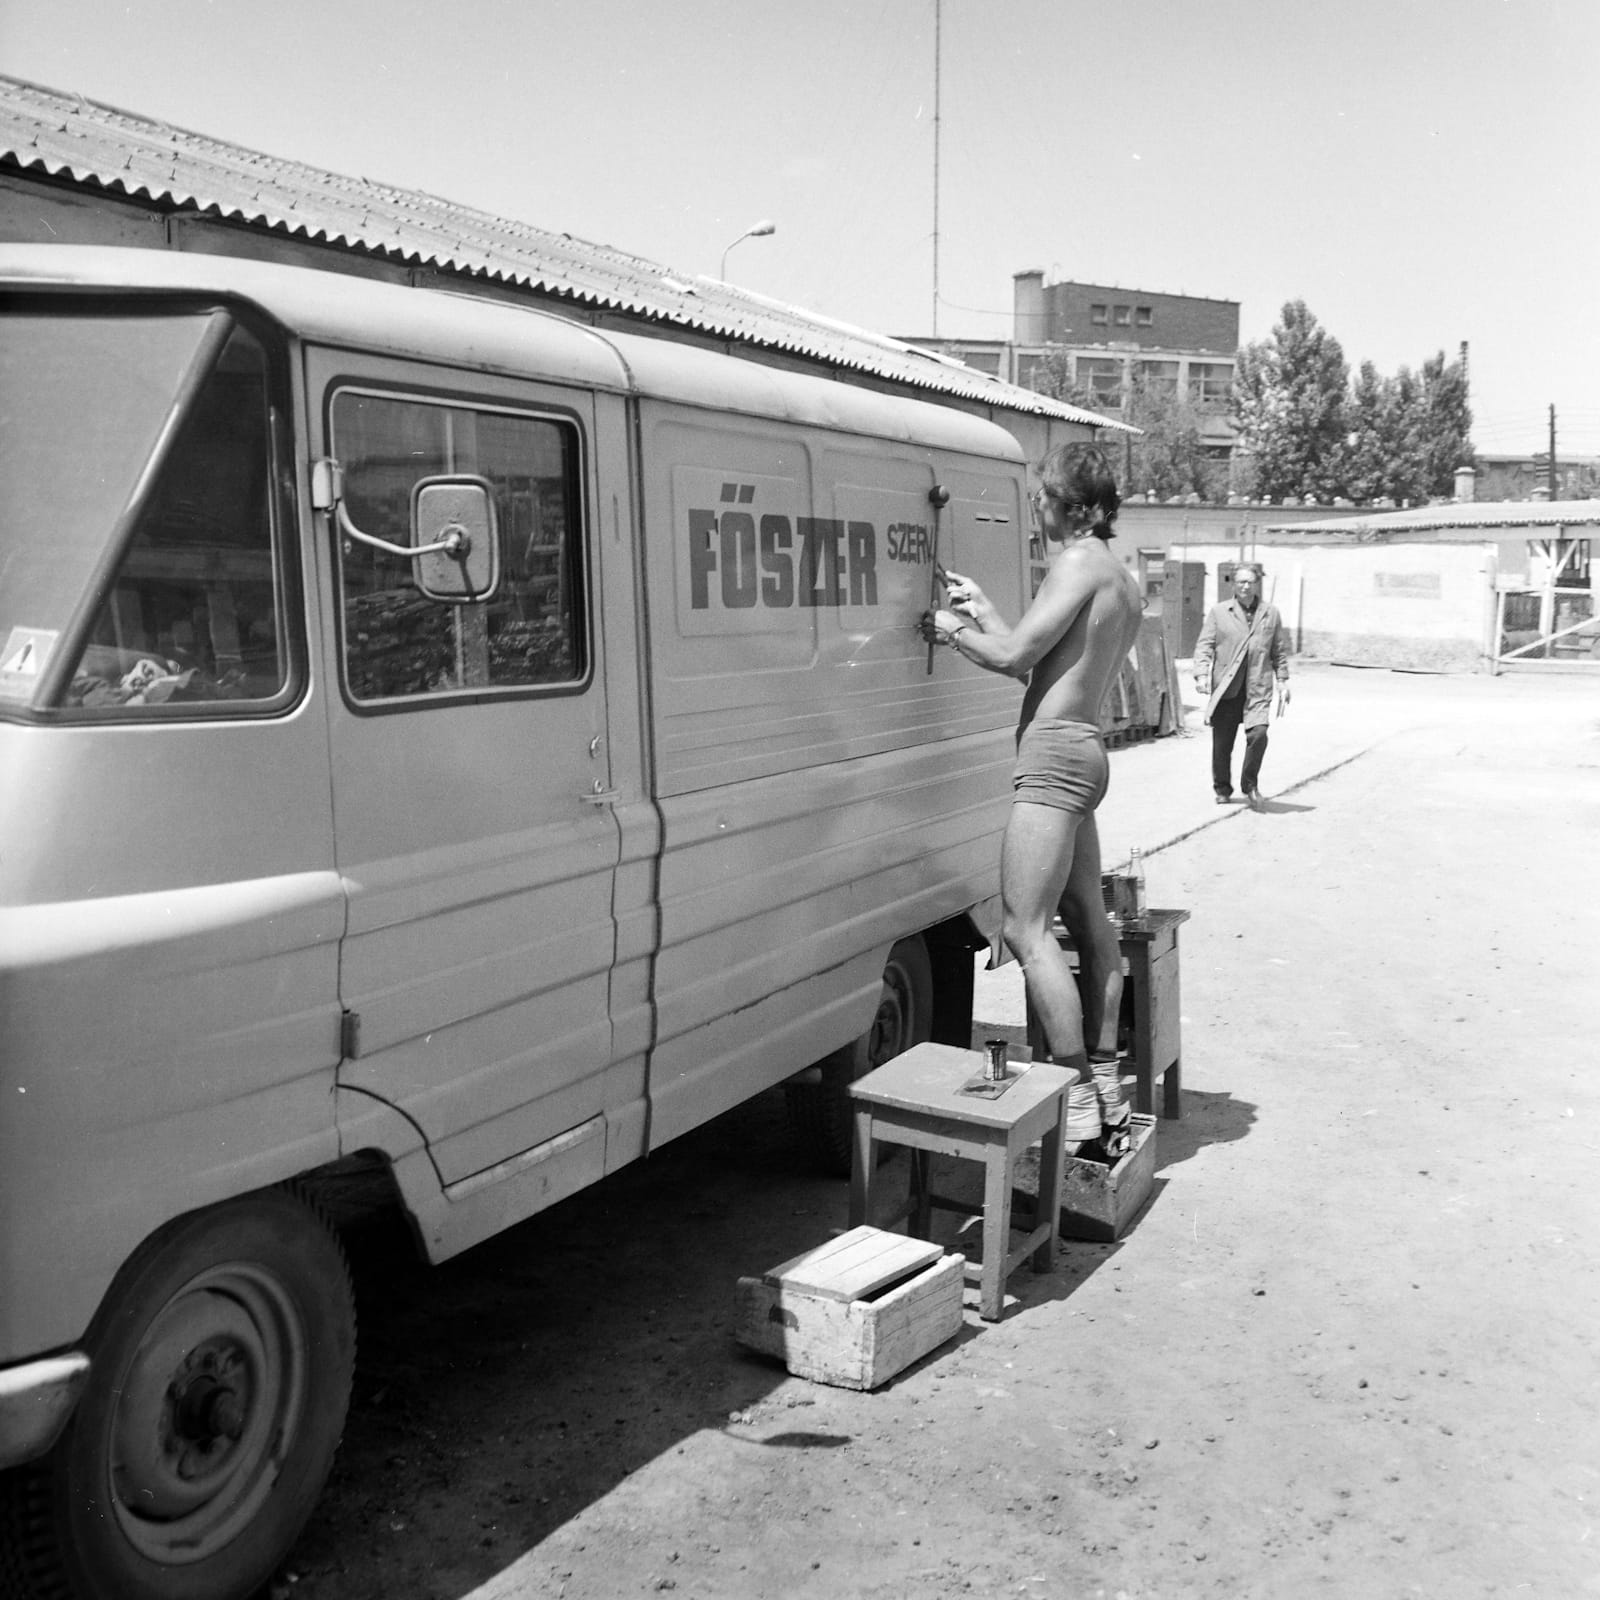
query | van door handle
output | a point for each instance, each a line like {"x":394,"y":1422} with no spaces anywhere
{"x":603,"y":797}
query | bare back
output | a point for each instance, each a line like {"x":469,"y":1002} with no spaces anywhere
{"x":1071,"y":679}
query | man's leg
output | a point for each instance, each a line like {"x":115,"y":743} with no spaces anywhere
{"x":1035,"y":863}
{"x":1083,"y":911}
{"x":1224,"y":729}
{"x":1100,"y":967}
{"x":1255,"y":747}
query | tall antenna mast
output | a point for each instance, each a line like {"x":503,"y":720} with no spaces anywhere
{"x":937,"y":24}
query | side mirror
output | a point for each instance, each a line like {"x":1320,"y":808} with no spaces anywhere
{"x":455,"y":544}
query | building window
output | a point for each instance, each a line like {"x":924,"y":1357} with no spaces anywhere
{"x":1210,"y":382}
{"x":1097,"y":315}
{"x":1124,"y":316}
{"x":1102,"y":379}
{"x":1144,"y":316}
{"x":1158,"y":377}
{"x":983,"y":361}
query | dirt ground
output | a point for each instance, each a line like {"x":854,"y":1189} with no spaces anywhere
{"x":1347,"y":1350}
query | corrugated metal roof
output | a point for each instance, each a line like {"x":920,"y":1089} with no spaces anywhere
{"x":98,"y":147}
{"x":1463,"y":516}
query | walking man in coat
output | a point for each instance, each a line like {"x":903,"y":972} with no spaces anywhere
{"x":1242,"y":649}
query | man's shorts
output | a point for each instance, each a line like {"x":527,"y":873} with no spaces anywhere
{"x":1061,"y":764}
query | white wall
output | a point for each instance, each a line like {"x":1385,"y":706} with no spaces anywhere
{"x":1413,"y":605}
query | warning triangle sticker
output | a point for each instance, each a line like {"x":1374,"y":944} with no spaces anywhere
{"x":25,"y":661}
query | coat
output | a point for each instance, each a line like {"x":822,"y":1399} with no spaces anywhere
{"x":1256,"y":645}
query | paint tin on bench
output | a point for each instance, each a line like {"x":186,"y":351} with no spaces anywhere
{"x":994,"y":1067}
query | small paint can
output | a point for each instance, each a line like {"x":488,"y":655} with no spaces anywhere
{"x":994,"y":1069}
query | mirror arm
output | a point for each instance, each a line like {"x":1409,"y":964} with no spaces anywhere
{"x":456,"y":541}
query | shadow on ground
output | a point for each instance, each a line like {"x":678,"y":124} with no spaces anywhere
{"x":502,"y":1392}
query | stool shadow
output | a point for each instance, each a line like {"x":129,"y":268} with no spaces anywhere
{"x":1281,"y":806}
{"x":1207,"y":1119}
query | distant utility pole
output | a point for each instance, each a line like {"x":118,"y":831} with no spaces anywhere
{"x":937,"y":29}
{"x":1551,"y":469}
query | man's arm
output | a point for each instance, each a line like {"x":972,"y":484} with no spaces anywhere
{"x":1205,"y":652}
{"x":1068,"y":587}
{"x":1280,"y":660}
{"x":1280,"y":649}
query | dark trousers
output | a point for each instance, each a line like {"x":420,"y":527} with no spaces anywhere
{"x":1225,"y":722}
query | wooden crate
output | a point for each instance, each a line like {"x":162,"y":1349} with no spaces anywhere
{"x":855,"y":1311}
{"x":1097,"y":1201}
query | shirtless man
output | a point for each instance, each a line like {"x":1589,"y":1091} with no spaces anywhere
{"x":1068,"y":647}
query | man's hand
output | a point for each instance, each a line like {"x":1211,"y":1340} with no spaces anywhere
{"x":965,"y":595}
{"x":1283,"y":698}
{"x":937,"y":626}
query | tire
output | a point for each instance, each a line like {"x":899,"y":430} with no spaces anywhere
{"x":221,"y":1363}
{"x":819,"y":1108}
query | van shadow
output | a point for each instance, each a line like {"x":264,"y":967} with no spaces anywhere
{"x":499,"y":1394}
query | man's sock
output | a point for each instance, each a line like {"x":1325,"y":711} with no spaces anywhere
{"x":1106,"y":1068}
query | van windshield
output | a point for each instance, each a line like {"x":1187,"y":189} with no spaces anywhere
{"x":82,"y":401}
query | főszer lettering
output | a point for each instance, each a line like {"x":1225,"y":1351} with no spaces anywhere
{"x":777,"y":561}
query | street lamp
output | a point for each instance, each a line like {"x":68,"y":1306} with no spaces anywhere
{"x":756,"y":230}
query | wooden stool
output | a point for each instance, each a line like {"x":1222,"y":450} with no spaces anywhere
{"x":1149,"y":949}
{"x":916,"y":1100}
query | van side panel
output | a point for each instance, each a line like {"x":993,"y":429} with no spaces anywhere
{"x":169,"y":1015}
{"x":822,"y":793}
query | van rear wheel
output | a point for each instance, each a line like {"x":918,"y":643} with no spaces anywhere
{"x":220,"y":1372}
{"x":819,"y":1106}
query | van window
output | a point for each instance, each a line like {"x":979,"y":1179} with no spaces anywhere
{"x":399,"y":644}
{"x":194,"y":615}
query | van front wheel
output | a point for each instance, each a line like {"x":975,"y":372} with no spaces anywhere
{"x":819,"y":1104}
{"x":220,"y":1373}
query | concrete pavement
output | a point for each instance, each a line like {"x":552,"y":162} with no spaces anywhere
{"x":1160,"y":791}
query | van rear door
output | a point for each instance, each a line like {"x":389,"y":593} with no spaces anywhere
{"x":471,"y":770}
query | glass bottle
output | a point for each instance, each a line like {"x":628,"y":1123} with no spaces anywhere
{"x":1136,"y":873}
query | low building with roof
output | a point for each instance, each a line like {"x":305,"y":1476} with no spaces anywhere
{"x":78,"y":172}
{"x":1459,"y":586}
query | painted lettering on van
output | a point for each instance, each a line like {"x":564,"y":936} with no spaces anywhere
{"x":910,"y":541}
{"x":777,"y":561}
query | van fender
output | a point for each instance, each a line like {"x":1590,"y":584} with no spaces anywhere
{"x":449,"y":1218}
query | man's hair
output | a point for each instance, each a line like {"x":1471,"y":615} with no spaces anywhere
{"x":1078,"y":474}
{"x":1247,"y":566}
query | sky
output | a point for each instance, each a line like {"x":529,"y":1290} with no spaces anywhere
{"x":1419,"y":172}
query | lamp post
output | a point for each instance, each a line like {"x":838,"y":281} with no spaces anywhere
{"x":756,"y":230}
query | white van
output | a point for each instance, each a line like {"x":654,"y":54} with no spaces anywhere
{"x":440,"y":737}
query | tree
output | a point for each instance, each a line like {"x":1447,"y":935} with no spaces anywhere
{"x":1168,"y":457}
{"x":1289,"y":408}
{"x":1443,"y":429}
{"x":1366,"y":460}
{"x":1407,"y":434}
